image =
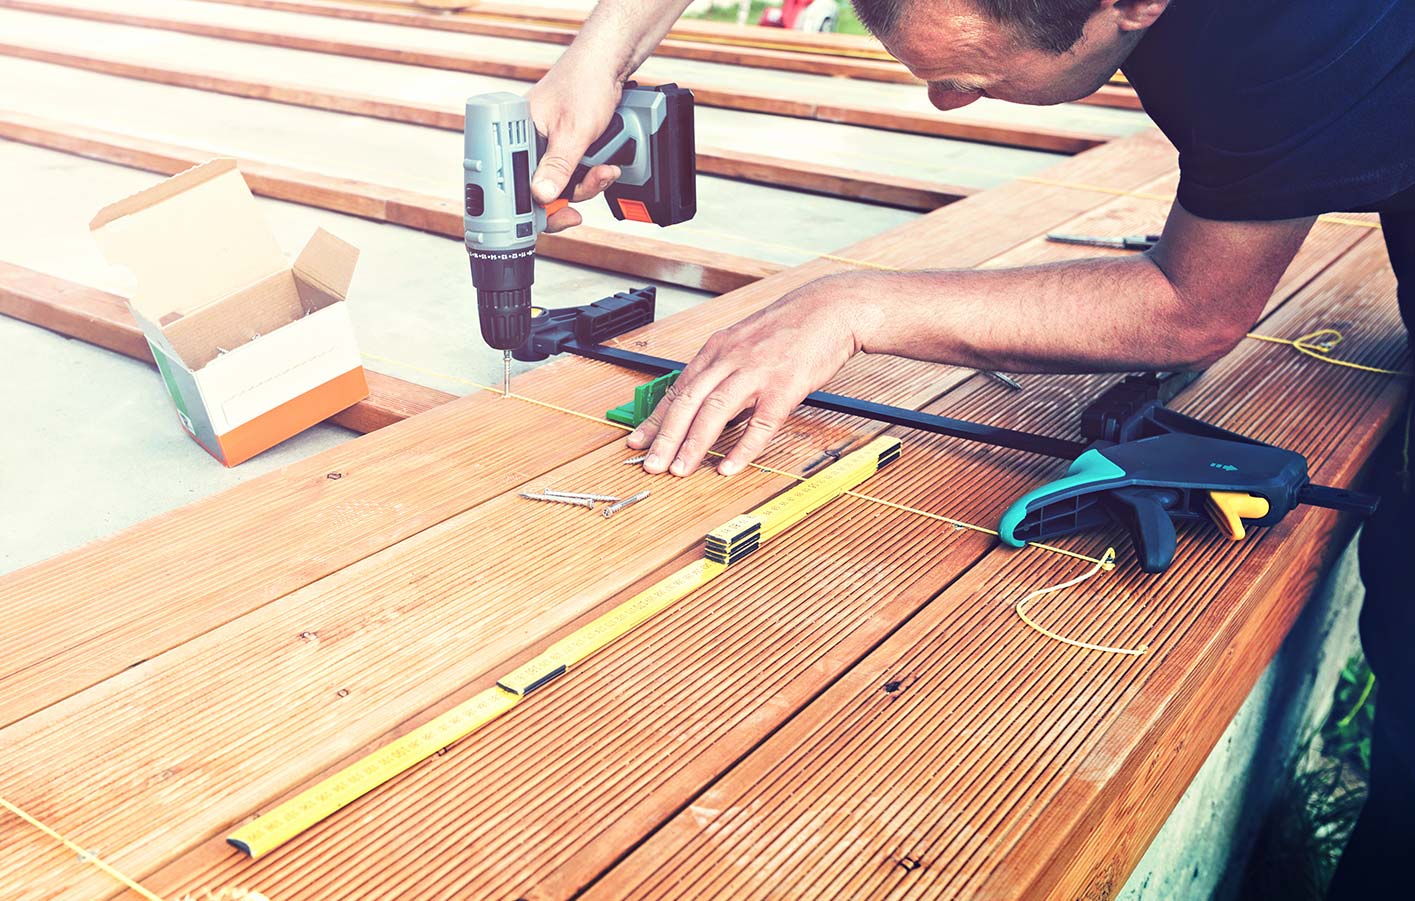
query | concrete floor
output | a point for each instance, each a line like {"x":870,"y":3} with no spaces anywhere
{"x":95,"y":446}
{"x":733,"y":217}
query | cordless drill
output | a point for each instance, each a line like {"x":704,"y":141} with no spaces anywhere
{"x":650,"y":138}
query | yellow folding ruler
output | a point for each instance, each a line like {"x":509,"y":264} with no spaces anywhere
{"x":726,"y":545}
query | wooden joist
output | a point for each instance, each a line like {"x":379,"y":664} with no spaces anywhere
{"x":851,"y":46}
{"x":476,"y":21}
{"x":882,"y":188}
{"x":635,"y":255}
{"x":531,"y":29}
{"x":102,"y":319}
{"x":918,"y":122}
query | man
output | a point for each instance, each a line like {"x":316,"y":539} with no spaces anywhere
{"x":1281,"y":110}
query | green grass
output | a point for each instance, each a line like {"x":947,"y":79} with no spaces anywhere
{"x":845,"y":22}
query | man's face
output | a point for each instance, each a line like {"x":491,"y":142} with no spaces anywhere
{"x":963,"y":55}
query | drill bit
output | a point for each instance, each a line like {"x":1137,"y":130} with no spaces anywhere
{"x":506,"y":373}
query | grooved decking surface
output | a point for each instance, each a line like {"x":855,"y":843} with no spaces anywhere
{"x":743,"y":744}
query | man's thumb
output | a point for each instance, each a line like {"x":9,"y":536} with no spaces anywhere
{"x":553,"y":173}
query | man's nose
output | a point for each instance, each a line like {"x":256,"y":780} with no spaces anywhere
{"x":948,"y":100}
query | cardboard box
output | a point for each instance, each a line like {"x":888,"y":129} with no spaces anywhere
{"x":252,"y":349}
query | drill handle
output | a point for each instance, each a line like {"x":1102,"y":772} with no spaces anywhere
{"x":619,"y":145}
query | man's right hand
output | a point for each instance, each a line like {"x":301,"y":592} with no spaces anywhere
{"x":571,"y":108}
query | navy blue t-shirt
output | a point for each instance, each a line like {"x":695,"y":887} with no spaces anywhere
{"x":1284,"y":108}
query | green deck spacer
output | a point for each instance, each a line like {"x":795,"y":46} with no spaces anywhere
{"x":646,"y":397}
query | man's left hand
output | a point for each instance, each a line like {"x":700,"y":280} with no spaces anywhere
{"x":767,"y":363}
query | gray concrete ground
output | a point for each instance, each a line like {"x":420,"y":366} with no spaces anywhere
{"x":958,"y":162}
{"x":792,"y":84}
{"x":92,"y":446}
{"x":733,"y":217}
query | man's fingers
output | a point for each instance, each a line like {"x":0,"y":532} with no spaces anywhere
{"x":644,"y":435}
{"x":595,"y":182}
{"x":725,"y":401}
{"x":682,"y":399}
{"x":563,"y":219}
{"x":770,"y":415}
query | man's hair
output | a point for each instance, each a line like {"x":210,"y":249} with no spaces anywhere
{"x":1052,"y":25}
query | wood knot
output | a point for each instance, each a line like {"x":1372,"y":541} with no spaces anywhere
{"x":892,"y":686}
{"x":343,"y":692}
{"x":334,"y":476}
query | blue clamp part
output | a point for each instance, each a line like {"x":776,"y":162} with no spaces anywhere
{"x":1147,"y":485}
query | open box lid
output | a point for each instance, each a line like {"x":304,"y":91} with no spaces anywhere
{"x":190,"y":241}
{"x":210,"y":276}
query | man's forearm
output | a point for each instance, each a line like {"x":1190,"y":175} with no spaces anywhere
{"x":620,"y":34}
{"x":1080,"y":316}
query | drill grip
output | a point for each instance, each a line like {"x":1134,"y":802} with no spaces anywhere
{"x":651,"y":139}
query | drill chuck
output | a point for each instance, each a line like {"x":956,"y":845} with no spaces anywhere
{"x":505,"y":317}
{"x":503,"y":281}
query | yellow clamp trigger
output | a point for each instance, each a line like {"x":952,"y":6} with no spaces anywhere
{"x":1228,"y":509}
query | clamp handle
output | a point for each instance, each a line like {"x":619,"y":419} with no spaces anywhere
{"x":1147,"y":485}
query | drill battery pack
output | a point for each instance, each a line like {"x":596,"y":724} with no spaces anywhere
{"x":671,"y":195}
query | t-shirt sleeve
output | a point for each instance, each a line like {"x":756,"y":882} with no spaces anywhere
{"x":1322,"y":118}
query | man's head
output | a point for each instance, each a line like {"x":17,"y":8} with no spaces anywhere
{"x":1024,"y":51}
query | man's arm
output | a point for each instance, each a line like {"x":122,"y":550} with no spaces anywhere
{"x":1182,"y":305}
{"x":575,"y":100}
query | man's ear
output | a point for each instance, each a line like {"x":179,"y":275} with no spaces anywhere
{"x":1137,"y":15}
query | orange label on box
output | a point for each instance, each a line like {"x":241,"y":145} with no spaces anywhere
{"x":634,"y":211}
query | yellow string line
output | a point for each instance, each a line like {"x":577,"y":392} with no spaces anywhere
{"x":1021,"y":610}
{"x":598,"y":420}
{"x":84,"y":854}
{"x":1319,"y":344}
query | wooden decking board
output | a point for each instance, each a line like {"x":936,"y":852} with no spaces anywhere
{"x":1213,"y":581}
{"x":936,"y":124}
{"x":103,"y":319}
{"x":593,"y":722}
{"x":396,"y":605}
{"x":599,"y":248}
{"x":961,"y":235}
{"x":257,"y":670}
{"x":416,"y":820}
